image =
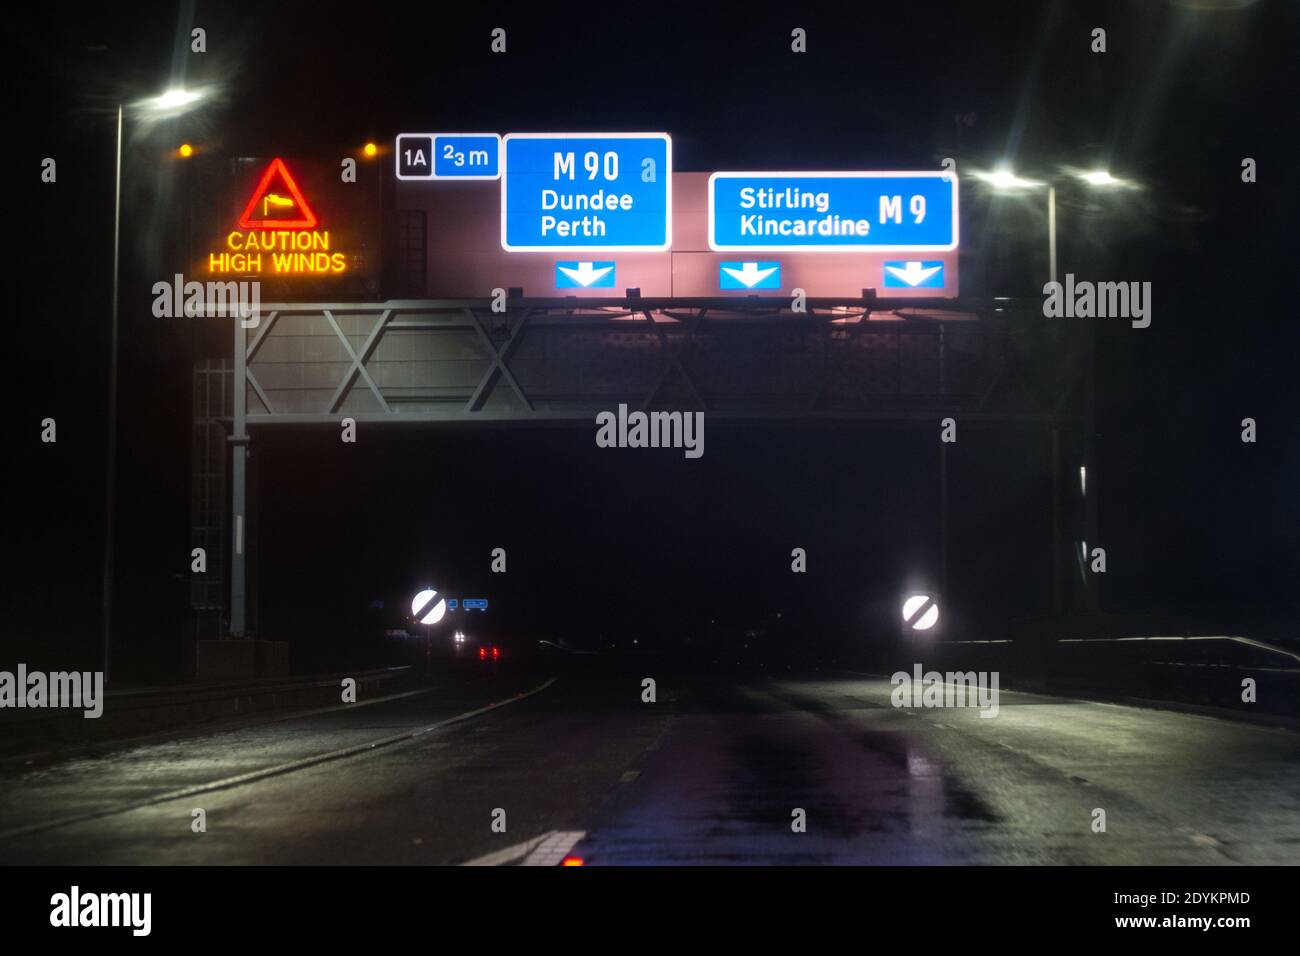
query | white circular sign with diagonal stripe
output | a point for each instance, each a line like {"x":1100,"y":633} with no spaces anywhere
{"x":427,"y":607}
{"x":920,"y":612}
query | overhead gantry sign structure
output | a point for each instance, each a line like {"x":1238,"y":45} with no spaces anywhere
{"x":668,"y":310}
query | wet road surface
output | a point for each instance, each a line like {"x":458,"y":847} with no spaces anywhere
{"x":713,"y":772}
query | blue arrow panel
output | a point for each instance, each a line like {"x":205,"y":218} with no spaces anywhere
{"x":913,"y":274}
{"x":584,"y":275}
{"x":749,"y":275}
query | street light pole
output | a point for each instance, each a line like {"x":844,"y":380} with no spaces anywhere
{"x":171,"y":102}
{"x":1003,"y":179}
{"x":111,"y":462}
{"x":1051,"y":230}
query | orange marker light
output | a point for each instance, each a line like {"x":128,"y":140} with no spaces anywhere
{"x":371,"y":149}
{"x":186,"y":151}
{"x":572,"y":861}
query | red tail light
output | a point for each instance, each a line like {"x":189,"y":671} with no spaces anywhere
{"x":482,"y":653}
{"x":496,"y":653}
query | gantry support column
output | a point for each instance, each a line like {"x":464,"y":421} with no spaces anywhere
{"x":238,"y":480}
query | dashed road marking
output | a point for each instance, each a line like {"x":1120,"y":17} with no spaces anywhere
{"x":510,"y":853}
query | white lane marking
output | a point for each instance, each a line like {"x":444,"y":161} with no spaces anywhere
{"x":256,"y":775}
{"x":629,"y":776}
{"x":509,"y":854}
{"x":554,"y":848}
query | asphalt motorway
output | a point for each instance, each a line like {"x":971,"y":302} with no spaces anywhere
{"x":715,"y":771}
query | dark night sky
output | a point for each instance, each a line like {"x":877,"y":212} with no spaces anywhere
{"x":1194,"y":521}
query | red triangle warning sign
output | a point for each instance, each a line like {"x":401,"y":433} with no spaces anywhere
{"x":277,"y":203}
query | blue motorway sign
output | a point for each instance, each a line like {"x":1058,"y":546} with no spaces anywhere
{"x":749,"y":275}
{"x":833,"y":212}
{"x":466,"y":156}
{"x":469,"y":604}
{"x":607,"y":192}
{"x":448,"y":156}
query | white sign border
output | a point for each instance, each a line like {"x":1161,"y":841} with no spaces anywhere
{"x":433,"y":176}
{"x":668,"y":210}
{"x":764,"y":174}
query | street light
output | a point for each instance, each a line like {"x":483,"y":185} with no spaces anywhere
{"x":1102,"y":178}
{"x":1098,"y":177}
{"x":173,"y":102}
{"x":177,"y":99}
{"x":1002,"y":179}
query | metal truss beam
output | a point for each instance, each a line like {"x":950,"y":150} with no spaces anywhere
{"x":866,"y":358}
{"x":500,"y":356}
{"x":358,"y":360}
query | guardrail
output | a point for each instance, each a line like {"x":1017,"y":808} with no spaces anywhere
{"x":1204,"y":669}
{"x":1207,"y":670}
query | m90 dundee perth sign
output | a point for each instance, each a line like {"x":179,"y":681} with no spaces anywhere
{"x":605,"y":192}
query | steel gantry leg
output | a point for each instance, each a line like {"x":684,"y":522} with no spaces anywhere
{"x":238,"y":478}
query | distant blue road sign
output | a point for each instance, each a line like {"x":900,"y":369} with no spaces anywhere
{"x":833,"y":212}
{"x":749,"y":275}
{"x":584,"y":275}
{"x":604,"y":192}
{"x":913,"y":274}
